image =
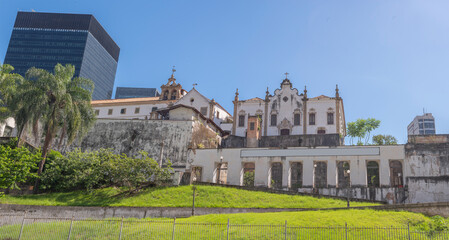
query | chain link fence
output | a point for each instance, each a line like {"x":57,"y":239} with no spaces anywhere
{"x":23,"y":227}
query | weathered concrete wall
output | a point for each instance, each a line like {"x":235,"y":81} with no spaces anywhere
{"x":12,"y":214}
{"x":173,"y":138}
{"x":428,"y":189}
{"x":382,"y":194}
{"x":312,"y":140}
{"x":232,"y":141}
{"x":428,"y":160}
{"x":426,"y":139}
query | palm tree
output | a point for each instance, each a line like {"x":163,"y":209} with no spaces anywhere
{"x":9,"y":82}
{"x":60,"y":102}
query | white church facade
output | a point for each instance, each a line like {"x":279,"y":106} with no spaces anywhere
{"x":289,"y":112}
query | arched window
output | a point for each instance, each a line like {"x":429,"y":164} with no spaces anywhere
{"x":372,"y":174}
{"x":173,"y":95}
{"x":344,"y":177}
{"x":396,"y":174}
{"x":276,"y":175}
{"x":296,"y":175}
{"x":248,"y":174}
{"x":165,"y":97}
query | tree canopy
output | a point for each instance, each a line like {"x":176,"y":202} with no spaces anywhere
{"x":384,"y":140}
{"x":361,"y":129}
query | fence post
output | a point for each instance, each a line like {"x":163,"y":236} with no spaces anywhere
{"x":285,"y":230}
{"x":121,"y":228}
{"x":173,"y":233}
{"x":70,"y":230}
{"x":227,"y":231}
{"x":21,"y":228}
{"x":408,"y":230}
{"x":346,"y":230}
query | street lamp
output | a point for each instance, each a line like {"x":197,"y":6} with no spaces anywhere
{"x":348,"y":172}
{"x":314,"y":182}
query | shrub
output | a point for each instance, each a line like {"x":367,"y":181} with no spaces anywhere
{"x":90,"y":170}
{"x":17,"y":165}
{"x":248,"y":179}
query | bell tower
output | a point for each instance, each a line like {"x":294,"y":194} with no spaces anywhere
{"x":171,"y":90}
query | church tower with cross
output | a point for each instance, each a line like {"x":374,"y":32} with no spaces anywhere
{"x":171,"y":90}
{"x":289,"y":112}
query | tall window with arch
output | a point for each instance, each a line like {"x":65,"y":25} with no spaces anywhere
{"x":165,"y":97}
{"x":372,"y":174}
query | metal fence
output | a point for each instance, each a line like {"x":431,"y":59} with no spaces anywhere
{"x":23,"y":227}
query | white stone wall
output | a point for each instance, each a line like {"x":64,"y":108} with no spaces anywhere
{"x":145,"y":110}
{"x":264,"y":157}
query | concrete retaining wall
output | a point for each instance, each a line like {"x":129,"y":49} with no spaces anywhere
{"x":381,"y":194}
{"x":6,"y":210}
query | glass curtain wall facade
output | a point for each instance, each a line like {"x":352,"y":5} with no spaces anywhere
{"x":44,"y":39}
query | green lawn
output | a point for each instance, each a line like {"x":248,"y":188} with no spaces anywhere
{"x":362,"y":224}
{"x":207,"y":196}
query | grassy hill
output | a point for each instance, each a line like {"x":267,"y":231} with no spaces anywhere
{"x":206,"y":196}
{"x":362,"y":224}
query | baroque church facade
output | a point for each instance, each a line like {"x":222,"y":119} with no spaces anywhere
{"x":288,"y":112}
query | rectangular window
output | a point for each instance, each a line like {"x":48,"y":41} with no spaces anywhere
{"x":153,"y":109}
{"x":203,"y":111}
{"x":251,"y":126}
{"x":123,"y":111}
{"x":241,"y":120}
{"x":311,"y":118}
{"x":137,"y":110}
{"x":109,"y":111}
{"x":274,"y":118}
{"x":97,"y":112}
{"x":330,"y":118}
{"x":297,"y":119}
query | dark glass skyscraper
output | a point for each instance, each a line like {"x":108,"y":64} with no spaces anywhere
{"x":128,"y":92}
{"x":44,"y":39}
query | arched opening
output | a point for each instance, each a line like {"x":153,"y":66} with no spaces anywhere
{"x":343,"y":175}
{"x":396,"y":173}
{"x":320,"y":175}
{"x":165,"y":96}
{"x":248,"y":174}
{"x":173,"y":95}
{"x":372,"y":174}
{"x":276,"y":175}
{"x":296,"y":175}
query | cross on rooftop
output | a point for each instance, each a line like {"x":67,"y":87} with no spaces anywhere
{"x":286,"y":75}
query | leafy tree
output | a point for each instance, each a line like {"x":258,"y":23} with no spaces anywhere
{"x":361,"y":129}
{"x":59,"y":101}
{"x":384,"y":140}
{"x":9,"y":82}
{"x":17,"y":165}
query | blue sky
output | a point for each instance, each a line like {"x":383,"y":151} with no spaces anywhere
{"x":389,"y":58}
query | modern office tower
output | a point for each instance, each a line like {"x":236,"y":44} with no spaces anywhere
{"x":128,"y":92}
{"x":422,"y":125}
{"x":44,"y":39}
